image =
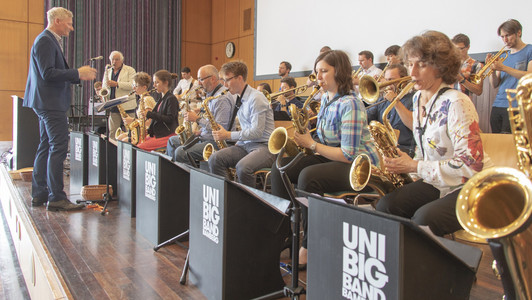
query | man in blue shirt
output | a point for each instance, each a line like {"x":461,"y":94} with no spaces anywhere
{"x":255,"y":115}
{"x":507,"y":73}
{"x":284,"y":101}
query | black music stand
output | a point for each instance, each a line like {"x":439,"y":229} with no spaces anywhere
{"x":293,"y":291}
{"x":107,"y":197}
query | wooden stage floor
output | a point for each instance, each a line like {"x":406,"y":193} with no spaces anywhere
{"x":103,"y":257}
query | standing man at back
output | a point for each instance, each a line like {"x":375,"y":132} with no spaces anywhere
{"x":508,"y":73}
{"x":48,"y":93}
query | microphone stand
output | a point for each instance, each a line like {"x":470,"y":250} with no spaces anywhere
{"x":92,"y":63}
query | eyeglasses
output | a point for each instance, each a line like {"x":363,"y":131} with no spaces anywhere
{"x":226,"y":80}
{"x":204,"y":78}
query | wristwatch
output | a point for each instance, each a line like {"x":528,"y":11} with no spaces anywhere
{"x":313,"y":146}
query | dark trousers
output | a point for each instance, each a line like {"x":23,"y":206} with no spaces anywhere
{"x":47,"y":181}
{"x":421,"y":202}
{"x":499,"y":120}
{"x":313,"y":174}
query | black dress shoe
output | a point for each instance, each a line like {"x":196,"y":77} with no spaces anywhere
{"x":63,"y":205}
{"x":38,"y":201}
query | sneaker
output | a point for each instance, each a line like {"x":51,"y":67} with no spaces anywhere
{"x":63,"y":205}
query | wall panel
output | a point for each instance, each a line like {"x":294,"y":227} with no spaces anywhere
{"x":197,"y":21}
{"x":197,"y":56}
{"x":6,"y":114}
{"x":218,"y":21}
{"x":232,"y":19}
{"x":36,"y":12}
{"x":14,"y":10}
{"x":13,"y":55}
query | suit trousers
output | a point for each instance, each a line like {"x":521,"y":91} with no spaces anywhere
{"x":47,"y":181}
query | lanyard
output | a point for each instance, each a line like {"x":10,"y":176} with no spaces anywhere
{"x":421,"y":130}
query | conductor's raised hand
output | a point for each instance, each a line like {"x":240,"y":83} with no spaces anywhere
{"x":86,"y":73}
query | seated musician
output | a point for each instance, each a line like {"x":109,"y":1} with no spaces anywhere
{"x":446,"y":131}
{"x":264,"y":86}
{"x":221,"y":108}
{"x":141,"y":84}
{"x":400,"y":116}
{"x":342,"y":132}
{"x":284,"y":101}
{"x":163,"y":116}
{"x":250,"y":153}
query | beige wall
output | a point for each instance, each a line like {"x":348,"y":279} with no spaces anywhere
{"x":20,"y":23}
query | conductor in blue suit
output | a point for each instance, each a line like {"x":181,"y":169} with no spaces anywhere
{"x":48,"y":92}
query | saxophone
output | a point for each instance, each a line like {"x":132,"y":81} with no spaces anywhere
{"x":184,"y":131}
{"x":300,"y":118}
{"x":495,"y":204}
{"x":209,"y":148}
{"x":363,"y":173}
{"x":123,"y":115}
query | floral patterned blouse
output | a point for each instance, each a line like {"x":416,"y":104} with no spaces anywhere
{"x":450,"y":150}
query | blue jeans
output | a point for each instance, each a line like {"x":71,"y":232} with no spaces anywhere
{"x":246,"y":159}
{"x":47,"y":181}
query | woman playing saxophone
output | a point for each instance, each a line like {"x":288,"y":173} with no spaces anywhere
{"x":342,"y":132}
{"x":163,"y":116}
{"x":141,"y":83}
{"x":447,"y":134}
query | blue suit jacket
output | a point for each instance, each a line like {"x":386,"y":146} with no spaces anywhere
{"x":49,"y":77}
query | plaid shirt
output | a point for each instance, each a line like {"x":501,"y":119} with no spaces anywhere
{"x":469,"y":66}
{"x":343,"y":123}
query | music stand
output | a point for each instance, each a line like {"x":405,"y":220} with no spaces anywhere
{"x":293,"y":291}
{"x":107,"y":197}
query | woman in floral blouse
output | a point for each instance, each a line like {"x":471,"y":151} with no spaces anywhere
{"x":449,"y":150}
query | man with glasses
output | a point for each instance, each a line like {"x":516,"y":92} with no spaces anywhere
{"x":250,"y":153}
{"x":221,"y":108}
{"x":469,"y":66}
{"x":508,"y":73}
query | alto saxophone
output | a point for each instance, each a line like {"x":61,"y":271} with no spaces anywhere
{"x":209,"y":148}
{"x":495,"y":204}
{"x":363,"y":173}
{"x":123,"y":115}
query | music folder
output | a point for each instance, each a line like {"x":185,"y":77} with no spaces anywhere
{"x":112,"y":103}
{"x":356,"y":253}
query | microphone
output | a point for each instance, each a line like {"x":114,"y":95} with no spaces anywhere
{"x":96,"y":58}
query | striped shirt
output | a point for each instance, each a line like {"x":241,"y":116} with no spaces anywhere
{"x":343,"y":124}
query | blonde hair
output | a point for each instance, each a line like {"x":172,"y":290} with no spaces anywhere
{"x":57,"y":13}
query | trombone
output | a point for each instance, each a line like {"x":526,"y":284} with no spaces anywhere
{"x":370,"y":89}
{"x":272,"y":97}
{"x":478,"y":77}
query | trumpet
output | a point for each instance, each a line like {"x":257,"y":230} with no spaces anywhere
{"x":478,"y":77}
{"x":370,"y":89}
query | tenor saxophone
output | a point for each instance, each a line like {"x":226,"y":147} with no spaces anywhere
{"x":496,"y":203}
{"x":209,"y":148}
{"x":363,"y":173}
